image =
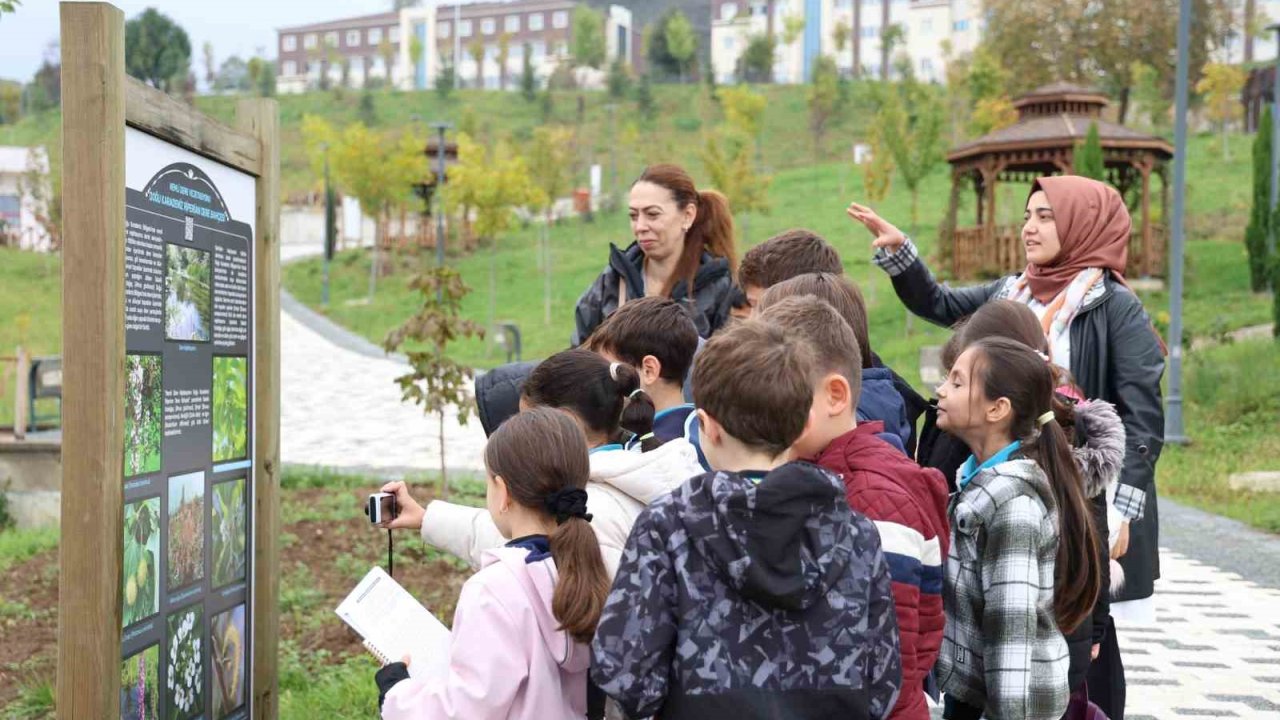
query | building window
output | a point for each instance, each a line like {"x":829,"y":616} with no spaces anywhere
{"x":728,"y":11}
{"x":464,"y":28}
{"x":443,"y":29}
{"x":517,"y":54}
{"x":488,"y":26}
{"x":353,"y":38}
{"x":331,"y":39}
{"x":511,"y":24}
{"x":537,"y":50}
{"x":871,"y":32}
{"x":309,"y":41}
{"x":926,"y":67}
{"x":290,"y":67}
{"x":960,"y":25}
{"x":728,"y":43}
{"x":926,"y":25}
{"x":559,"y":19}
{"x":375,"y":36}
{"x":561,"y":50}
{"x":535,"y":22}
{"x":290,"y":43}
{"x":491,"y":53}
{"x":393,"y":33}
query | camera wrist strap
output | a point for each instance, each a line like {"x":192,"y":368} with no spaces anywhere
{"x":390,"y":567}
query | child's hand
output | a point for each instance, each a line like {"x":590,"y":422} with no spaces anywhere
{"x":411,"y":513}
{"x":1122,"y":542}
{"x":886,"y":235}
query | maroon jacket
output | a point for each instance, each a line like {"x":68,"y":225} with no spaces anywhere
{"x":908,"y":505}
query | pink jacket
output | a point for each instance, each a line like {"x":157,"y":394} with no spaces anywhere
{"x":508,"y":659}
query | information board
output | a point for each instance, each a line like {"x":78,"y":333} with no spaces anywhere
{"x":188,"y":434}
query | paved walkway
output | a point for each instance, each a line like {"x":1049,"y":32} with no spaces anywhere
{"x":1214,"y":650}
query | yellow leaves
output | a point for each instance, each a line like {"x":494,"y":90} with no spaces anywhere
{"x":743,"y":109}
{"x":992,"y":113}
{"x":1221,"y":85}
{"x":378,"y":169}
{"x":550,"y":160}
{"x":492,"y":183}
{"x":877,"y":173}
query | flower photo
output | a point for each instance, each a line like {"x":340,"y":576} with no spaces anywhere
{"x":185,"y":665}
{"x":140,"y":685}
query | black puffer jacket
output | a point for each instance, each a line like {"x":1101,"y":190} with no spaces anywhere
{"x":1116,"y":357}
{"x":712,"y":292}
{"x":498,"y":393}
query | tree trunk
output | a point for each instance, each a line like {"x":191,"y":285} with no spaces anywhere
{"x":546,"y":270}
{"x":1124,"y":105}
{"x":373,"y":258}
{"x":884,"y":47}
{"x":493,"y":291}
{"x":857,"y":38}
{"x":444,"y":473}
{"x":1249,"y":14}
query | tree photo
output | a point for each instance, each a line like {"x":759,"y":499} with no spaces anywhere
{"x":143,"y":414}
{"x":230,"y":408}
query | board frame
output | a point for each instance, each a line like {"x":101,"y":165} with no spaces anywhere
{"x":98,"y":101}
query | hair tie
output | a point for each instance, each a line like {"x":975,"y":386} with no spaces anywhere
{"x":1044,"y":356}
{"x":1045,"y":419}
{"x":613,"y":371}
{"x":635,"y":392}
{"x":565,"y":503}
{"x":644,"y":437}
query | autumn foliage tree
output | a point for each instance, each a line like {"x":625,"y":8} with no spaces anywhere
{"x":1221,"y":86}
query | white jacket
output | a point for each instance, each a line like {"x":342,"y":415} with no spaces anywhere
{"x":622,"y":483}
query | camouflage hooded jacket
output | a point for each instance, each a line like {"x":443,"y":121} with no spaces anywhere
{"x":743,"y":598}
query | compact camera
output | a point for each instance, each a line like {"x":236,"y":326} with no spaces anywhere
{"x":381,"y":507}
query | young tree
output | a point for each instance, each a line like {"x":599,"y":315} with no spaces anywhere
{"x":1221,"y":86}
{"x":728,"y":160}
{"x":436,"y":382}
{"x":233,"y":76}
{"x":550,"y":162}
{"x":1089,"y":161}
{"x":1150,"y":97}
{"x":644,"y":98}
{"x":992,"y":113}
{"x":209,"y":74}
{"x":528,"y":79}
{"x":619,"y":80}
{"x":891,"y":35}
{"x":446,"y":78}
{"x":415,"y":57}
{"x":910,"y":121}
{"x":682,"y":43}
{"x":824,"y":100}
{"x":476,"y":49}
{"x":877,"y":173}
{"x":157,"y":50}
{"x":1260,"y":219}
{"x":504,"y":55}
{"x":388,"y":53}
{"x":368,"y":111}
{"x":588,"y":48}
{"x":840,"y":35}
{"x":755,"y":65}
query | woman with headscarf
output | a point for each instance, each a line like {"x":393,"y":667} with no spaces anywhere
{"x":1076,"y":236}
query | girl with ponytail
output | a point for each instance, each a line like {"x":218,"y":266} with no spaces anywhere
{"x":683,"y":249}
{"x":606,"y":403}
{"x":524,"y":621}
{"x":1023,"y":566}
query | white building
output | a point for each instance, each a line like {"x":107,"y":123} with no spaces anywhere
{"x":19,"y":226}
{"x":926,"y":24}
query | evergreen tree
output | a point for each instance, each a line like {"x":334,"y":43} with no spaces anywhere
{"x":1088,"y":161}
{"x":528,"y":80}
{"x":619,"y":80}
{"x":1260,"y":220}
{"x":644,"y":98}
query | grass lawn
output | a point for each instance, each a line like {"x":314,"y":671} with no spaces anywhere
{"x":30,"y":314}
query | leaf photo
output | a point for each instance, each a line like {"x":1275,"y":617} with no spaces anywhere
{"x":187,"y":306}
{"x":230,"y":408}
{"x":185,"y":676}
{"x":228,"y":644}
{"x":228,"y":532}
{"x":186,"y":529}
{"x":140,"y":685}
{"x":141,"y":551}
{"x":143,"y":417}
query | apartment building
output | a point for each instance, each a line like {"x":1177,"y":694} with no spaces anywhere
{"x":363,"y":48}
{"x":926,"y":24}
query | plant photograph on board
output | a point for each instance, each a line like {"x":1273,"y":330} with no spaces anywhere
{"x":185,"y":680}
{"x":141,"y":550}
{"x":186,"y":529}
{"x":143,"y":416}
{"x":230,"y":408}
{"x":228,"y":532}
{"x":186,"y":306}
{"x":227,"y":642}
{"x":140,"y":685}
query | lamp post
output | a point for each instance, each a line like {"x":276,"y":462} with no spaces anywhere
{"x":440,"y":128}
{"x":1173,"y":429}
{"x":329,"y":227}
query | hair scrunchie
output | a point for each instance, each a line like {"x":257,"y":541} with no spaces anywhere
{"x":567,"y":503}
{"x":613,"y":371}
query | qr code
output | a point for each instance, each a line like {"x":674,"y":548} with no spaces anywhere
{"x":188,"y":230}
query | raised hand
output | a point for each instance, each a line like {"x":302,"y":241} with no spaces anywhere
{"x":885,"y":234}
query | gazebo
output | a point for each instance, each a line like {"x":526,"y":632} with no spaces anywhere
{"x":1052,"y":121}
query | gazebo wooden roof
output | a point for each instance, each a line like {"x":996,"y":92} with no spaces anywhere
{"x":1052,"y":121}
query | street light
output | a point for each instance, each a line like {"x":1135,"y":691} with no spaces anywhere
{"x":440,"y":128}
{"x":329,"y":226}
{"x":1173,"y":430}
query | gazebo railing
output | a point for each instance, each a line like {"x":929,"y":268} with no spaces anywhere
{"x":977,"y":255}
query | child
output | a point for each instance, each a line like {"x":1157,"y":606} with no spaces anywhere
{"x":522,"y":624}
{"x":1022,"y":562}
{"x":753,"y":591}
{"x":908,"y":504}
{"x":879,"y":400}
{"x":657,"y":337}
{"x":606,"y":401}
{"x":800,"y":252}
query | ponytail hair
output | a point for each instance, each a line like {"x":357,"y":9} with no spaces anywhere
{"x":605,"y":396}
{"x":538,"y":454}
{"x":712,"y":228}
{"x":1011,"y":370}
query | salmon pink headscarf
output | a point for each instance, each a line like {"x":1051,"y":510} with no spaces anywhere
{"x":1093,"y":228}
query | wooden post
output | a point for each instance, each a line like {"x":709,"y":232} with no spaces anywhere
{"x":1145,"y":263}
{"x":93,"y":122}
{"x":21,"y":390}
{"x":260,"y":119}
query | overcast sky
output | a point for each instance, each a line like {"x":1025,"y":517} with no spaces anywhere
{"x":234,"y":27}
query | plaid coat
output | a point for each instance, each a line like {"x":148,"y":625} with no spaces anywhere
{"x":1002,"y":650}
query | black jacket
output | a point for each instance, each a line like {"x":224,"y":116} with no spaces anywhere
{"x":712,"y":292}
{"x":498,"y":393}
{"x":1115,"y":356}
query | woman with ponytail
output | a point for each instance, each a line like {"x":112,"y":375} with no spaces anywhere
{"x":524,"y":621}
{"x":683,"y":249}
{"x":1023,"y":567}
{"x":605,"y":401}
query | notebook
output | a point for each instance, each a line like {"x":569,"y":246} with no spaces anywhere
{"x":394,"y":624}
